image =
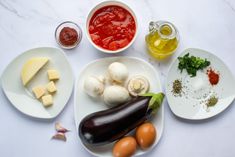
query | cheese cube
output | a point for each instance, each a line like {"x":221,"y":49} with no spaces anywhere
{"x":53,"y":74}
{"x":47,"y":100}
{"x":51,"y":88}
{"x":39,"y":91}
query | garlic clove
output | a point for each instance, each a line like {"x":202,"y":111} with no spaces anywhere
{"x":138,"y":85}
{"x":59,"y":128}
{"x":59,"y":136}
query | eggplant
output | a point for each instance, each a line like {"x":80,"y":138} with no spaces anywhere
{"x":106,"y":126}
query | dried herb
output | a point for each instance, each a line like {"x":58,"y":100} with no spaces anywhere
{"x":212,"y":101}
{"x":177,"y":87}
{"x":192,"y":64}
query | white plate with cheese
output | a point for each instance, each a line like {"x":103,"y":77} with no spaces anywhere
{"x":32,"y":69}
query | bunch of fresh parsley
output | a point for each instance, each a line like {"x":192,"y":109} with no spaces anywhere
{"x":192,"y":64}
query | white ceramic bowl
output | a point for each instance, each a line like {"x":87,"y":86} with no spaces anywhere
{"x":101,"y":5}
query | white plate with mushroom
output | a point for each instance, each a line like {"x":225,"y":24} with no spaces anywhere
{"x":88,"y":99}
{"x":39,"y":82}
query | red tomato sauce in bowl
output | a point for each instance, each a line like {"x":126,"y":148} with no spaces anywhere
{"x":112,"y":27}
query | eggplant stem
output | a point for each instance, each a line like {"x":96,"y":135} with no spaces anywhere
{"x":155,"y":102}
{"x":148,"y":94}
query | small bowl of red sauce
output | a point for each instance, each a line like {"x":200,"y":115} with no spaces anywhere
{"x":111,"y":26}
{"x":68,"y":35}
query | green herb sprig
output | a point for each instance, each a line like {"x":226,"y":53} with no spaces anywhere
{"x":192,"y":64}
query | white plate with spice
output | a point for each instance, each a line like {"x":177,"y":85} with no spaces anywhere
{"x":22,"y":98}
{"x":85,"y":105}
{"x":203,"y":96}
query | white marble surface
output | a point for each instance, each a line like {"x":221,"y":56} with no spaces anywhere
{"x":205,"y":24}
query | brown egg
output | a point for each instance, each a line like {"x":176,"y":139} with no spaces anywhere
{"x":145,"y":135}
{"x":125,"y":147}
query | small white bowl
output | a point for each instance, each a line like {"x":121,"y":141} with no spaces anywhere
{"x":71,"y":25}
{"x":101,"y":5}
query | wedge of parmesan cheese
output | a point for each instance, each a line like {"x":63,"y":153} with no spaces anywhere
{"x":31,"y":68}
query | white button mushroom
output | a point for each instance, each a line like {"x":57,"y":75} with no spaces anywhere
{"x":93,"y":86}
{"x":102,"y":79}
{"x":138,"y":85}
{"x":118,"y":72}
{"x":115,"y":95}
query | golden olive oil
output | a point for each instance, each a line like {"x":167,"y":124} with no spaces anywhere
{"x":162,"y":40}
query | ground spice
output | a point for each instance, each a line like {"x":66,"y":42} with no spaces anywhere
{"x":177,"y":87}
{"x":212,"y":101}
{"x":213,"y":77}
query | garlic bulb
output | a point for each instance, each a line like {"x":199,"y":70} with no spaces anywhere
{"x":118,"y":72}
{"x":115,"y":95}
{"x":138,"y":85}
{"x":93,"y":86}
